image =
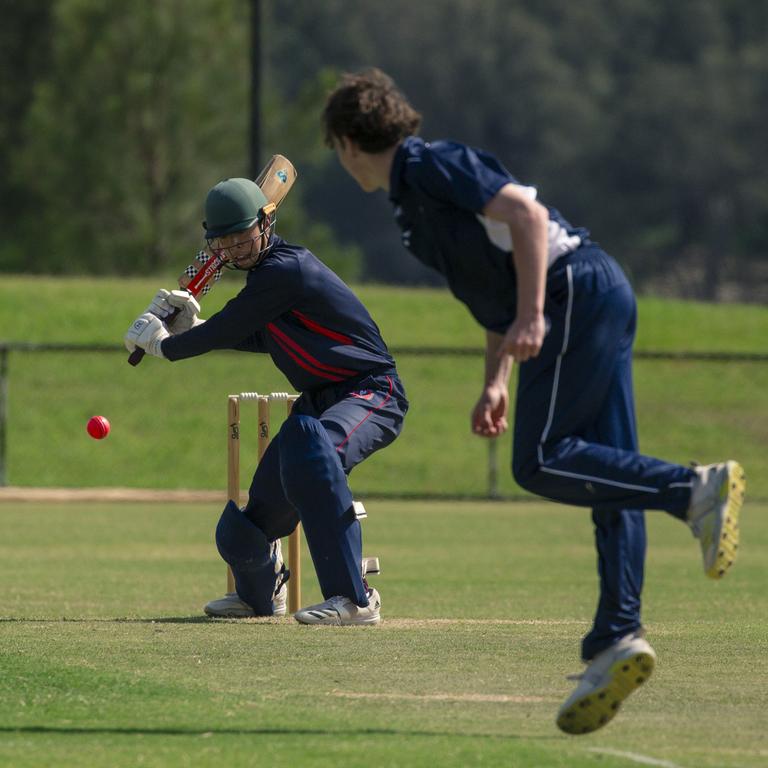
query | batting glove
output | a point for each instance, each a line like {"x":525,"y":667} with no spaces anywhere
{"x":166,"y":303}
{"x":148,"y":333}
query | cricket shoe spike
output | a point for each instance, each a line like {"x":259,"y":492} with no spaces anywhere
{"x":713,"y":515}
{"x":608,"y":679}
{"x":341,"y":611}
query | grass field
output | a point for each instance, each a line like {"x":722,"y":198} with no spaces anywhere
{"x":107,"y":660}
{"x":169,"y":427}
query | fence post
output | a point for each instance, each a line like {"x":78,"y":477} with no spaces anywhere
{"x":493,"y":468}
{"x":3,"y":411}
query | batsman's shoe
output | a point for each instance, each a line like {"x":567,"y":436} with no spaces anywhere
{"x":341,"y":611}
{"x":716,"y":498}
{"x":608,"y":679}
{"x":232,"y":607}
{"x":229,"y":607}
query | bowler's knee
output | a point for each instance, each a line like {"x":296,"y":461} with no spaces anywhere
{"x":525,"y":471}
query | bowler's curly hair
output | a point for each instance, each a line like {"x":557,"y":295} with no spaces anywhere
{"x":368,"y":108}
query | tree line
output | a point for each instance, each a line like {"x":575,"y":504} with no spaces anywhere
{"x":643,"y":120}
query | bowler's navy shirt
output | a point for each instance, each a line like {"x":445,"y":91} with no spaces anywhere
{"x":439,"y":190}
{"x":300,"y":312}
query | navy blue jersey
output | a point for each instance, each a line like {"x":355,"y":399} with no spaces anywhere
{"x":439,"y":190}
{"x":301,"y":313}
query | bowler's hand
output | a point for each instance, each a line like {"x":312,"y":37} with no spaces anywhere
{"x":489,"y":416}
{"x":524,"y":338}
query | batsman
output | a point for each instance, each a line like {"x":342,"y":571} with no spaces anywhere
{"x":351,"y":404}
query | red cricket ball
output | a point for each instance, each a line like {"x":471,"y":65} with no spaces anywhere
{"x":98,"y":427}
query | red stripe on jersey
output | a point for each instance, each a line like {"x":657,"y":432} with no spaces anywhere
{"x":313,"y":326}
{"x":287,"y":340}
{"x":305,"y":365}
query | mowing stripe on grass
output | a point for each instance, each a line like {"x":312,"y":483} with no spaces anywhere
{"x":634,"y":757}
{"x":422,"y":623}
{"x":483,"y":698}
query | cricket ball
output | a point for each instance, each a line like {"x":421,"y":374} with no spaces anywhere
{"x":98,"y":427}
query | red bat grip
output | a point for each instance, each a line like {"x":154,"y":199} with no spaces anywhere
{"x":204,"y":275}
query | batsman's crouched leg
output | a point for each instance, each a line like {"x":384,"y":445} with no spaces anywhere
{"x":315,"y":484}
{"x":255,"y":562}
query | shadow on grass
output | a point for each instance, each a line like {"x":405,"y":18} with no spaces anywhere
{"x":287,"y":731}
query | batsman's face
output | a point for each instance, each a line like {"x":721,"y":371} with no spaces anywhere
{"x":245,"y":249}
{"x":356,"y":163}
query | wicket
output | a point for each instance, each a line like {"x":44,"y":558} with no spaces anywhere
{"x":233,"y":476}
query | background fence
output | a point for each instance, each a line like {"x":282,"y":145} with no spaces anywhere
{"x":169,"y":420}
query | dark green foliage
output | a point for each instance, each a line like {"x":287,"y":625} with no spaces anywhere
{"x":642,"y":119}
{"x":124,"y":135}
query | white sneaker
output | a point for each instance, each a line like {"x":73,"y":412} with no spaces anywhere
{"x":341,"y":611}
{"x":716,"y":498}
{"x":229,"y":607}
{"x":608,"y":679}
{"x":232,"y":607}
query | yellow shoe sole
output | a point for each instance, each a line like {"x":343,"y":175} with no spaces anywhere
{"x":599,"y":707}
{"x":733,"y":491}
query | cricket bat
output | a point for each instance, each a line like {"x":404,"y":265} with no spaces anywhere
{"x":275,"y":181}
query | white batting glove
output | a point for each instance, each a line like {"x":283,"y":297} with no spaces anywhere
{"x":148,"y":333}
{"x":188,"y":316}
{"x":166,"y":302}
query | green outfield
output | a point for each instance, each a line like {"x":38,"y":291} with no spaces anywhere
{"x":169,"y":421}
{"x":107,"y":660}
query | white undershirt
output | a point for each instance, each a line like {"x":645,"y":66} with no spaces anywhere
{"x":559,"y":242}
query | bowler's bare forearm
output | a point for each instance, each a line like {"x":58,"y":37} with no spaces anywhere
{"x":498,"y":368}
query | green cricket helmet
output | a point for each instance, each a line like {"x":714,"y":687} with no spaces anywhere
{"x":236,"y":205}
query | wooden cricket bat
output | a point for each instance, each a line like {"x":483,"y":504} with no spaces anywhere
{"x":275,"y":180}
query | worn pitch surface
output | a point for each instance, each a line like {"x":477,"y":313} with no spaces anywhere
{"x":107,"y":660}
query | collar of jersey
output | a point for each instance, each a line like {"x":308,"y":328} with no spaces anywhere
{"x":412,"y":146}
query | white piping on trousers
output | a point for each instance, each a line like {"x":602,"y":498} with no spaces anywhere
{"x":556,"y":381}
{"x":550,"y":418}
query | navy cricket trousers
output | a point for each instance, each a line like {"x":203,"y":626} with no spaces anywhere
{"x":575,"y":436}
{"x":303,"y":473}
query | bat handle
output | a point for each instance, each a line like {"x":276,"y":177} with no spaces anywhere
{"x":136,"y":356}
